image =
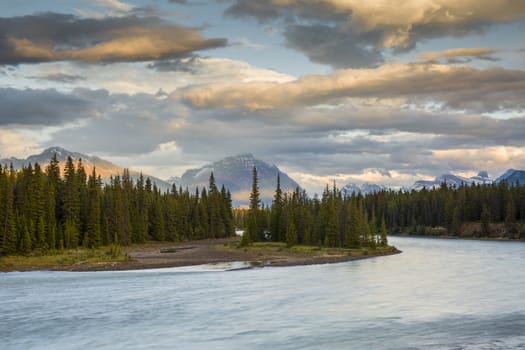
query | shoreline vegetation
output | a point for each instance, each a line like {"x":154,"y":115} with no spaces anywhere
{"x":153,"y":255}
{"x":514,"y":232}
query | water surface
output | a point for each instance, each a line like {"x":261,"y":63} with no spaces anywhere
{"x":437,"y":294}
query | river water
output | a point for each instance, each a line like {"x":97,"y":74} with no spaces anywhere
{"x":437,"y":294}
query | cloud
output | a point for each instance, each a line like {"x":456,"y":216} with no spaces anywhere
{"x":14,"y":144}
{"x":457,"y":87}
{"x":387,"y":143}
{"x":41,"y":107}
{"x":329,"y":45}
{"x":123,"y":124}
{"x":207,"y":69}
{"x":60,"y":77}
{"x":479,"y":53}
{"x":51,"y":37}
{"x":115,"y":5}
{"x":483,"y":158}
{"x":374,"y":26}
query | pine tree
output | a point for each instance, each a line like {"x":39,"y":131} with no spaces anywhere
{"x":332,"y":231}
{"x":71,"y":205}
{"x":41,"y":236}
{"x":485,"y":221}
{"x":276,"y":221}
{"x":353,"y":227}
{"x":92,"y":236}
{"x":456,"y":222}
{"x":291,"y":233}
{"x":383,"y":232}
{"x":253,"y":227}
{"x":7,"y":216}
{"x":372,"y":228}
{"x":25,"y":242}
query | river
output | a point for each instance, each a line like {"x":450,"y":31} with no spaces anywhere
{"x":437,"y":294}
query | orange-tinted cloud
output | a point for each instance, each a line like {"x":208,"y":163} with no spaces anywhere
{"x":55,"y":37}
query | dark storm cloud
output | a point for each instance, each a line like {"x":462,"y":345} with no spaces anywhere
{"x":50,"y":37}
{"x":41,"y":107}
{"x":329,"y":45}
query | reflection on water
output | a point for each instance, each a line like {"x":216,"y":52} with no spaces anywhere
{"x":437,"y":294}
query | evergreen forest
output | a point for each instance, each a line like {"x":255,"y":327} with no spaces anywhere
{"x":356,"y":221}
{"x":53,"y":209}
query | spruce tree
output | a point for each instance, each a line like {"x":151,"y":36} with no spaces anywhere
{"x":291,"y":233}
{"x":7,"y":216}
{"x":383,"y":231}
{"x":92,"y":236}
{"x":276,"y":221}
{"x":485,"y":221}
{"x":25,"y":242}
{"x":71,"y":205}
{"x":253,"y":227}
{"x":332,"y":231}
{"x":456,"y":222}
{"x":353,"y":227}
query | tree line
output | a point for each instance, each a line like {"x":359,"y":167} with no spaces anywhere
{"x":333,"y":220}
{"x":490,"y":210}
{"x":49,"y":209}
{"x":356,"y":220}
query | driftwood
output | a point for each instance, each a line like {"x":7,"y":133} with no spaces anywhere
{"x":175,"y":249}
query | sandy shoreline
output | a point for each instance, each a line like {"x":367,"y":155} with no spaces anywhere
{"x":164,"y":255}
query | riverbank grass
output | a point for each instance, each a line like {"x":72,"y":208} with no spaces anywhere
{"x":57,"y":260}
{"x":272,"y":248}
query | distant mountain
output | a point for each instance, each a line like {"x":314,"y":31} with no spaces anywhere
{"x":365,"y":188}
{"x":512,"y":176}
{"x":453,"y":181}
{"x":235,"y":173}
{"x":173,"y":180}
{"x":104,"y":168}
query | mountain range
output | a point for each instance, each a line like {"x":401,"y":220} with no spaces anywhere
{"x":103,"y":168}
{"x":454,"y":181}
{"x":235,"y":173}
{"x":364,"y":188}
{"x":512,"y":176}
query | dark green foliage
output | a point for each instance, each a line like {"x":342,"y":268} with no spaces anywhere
{"x":277,"y":228}
{"x":383,"y":233}
{"x":45,"y":211}
{"x":254,"y":226}
{"x":291,"y":234}
{"x":485,"y":221}
{"x":450,"y":211}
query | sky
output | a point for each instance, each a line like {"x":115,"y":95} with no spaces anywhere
{"x":386,"y":92}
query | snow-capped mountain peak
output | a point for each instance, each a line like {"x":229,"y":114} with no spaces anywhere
{"x":364,"y":188}
{"x":452,"y":180}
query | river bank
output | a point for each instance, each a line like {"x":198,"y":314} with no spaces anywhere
{"x":162,"y":254}
{"x":466,"y":238}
